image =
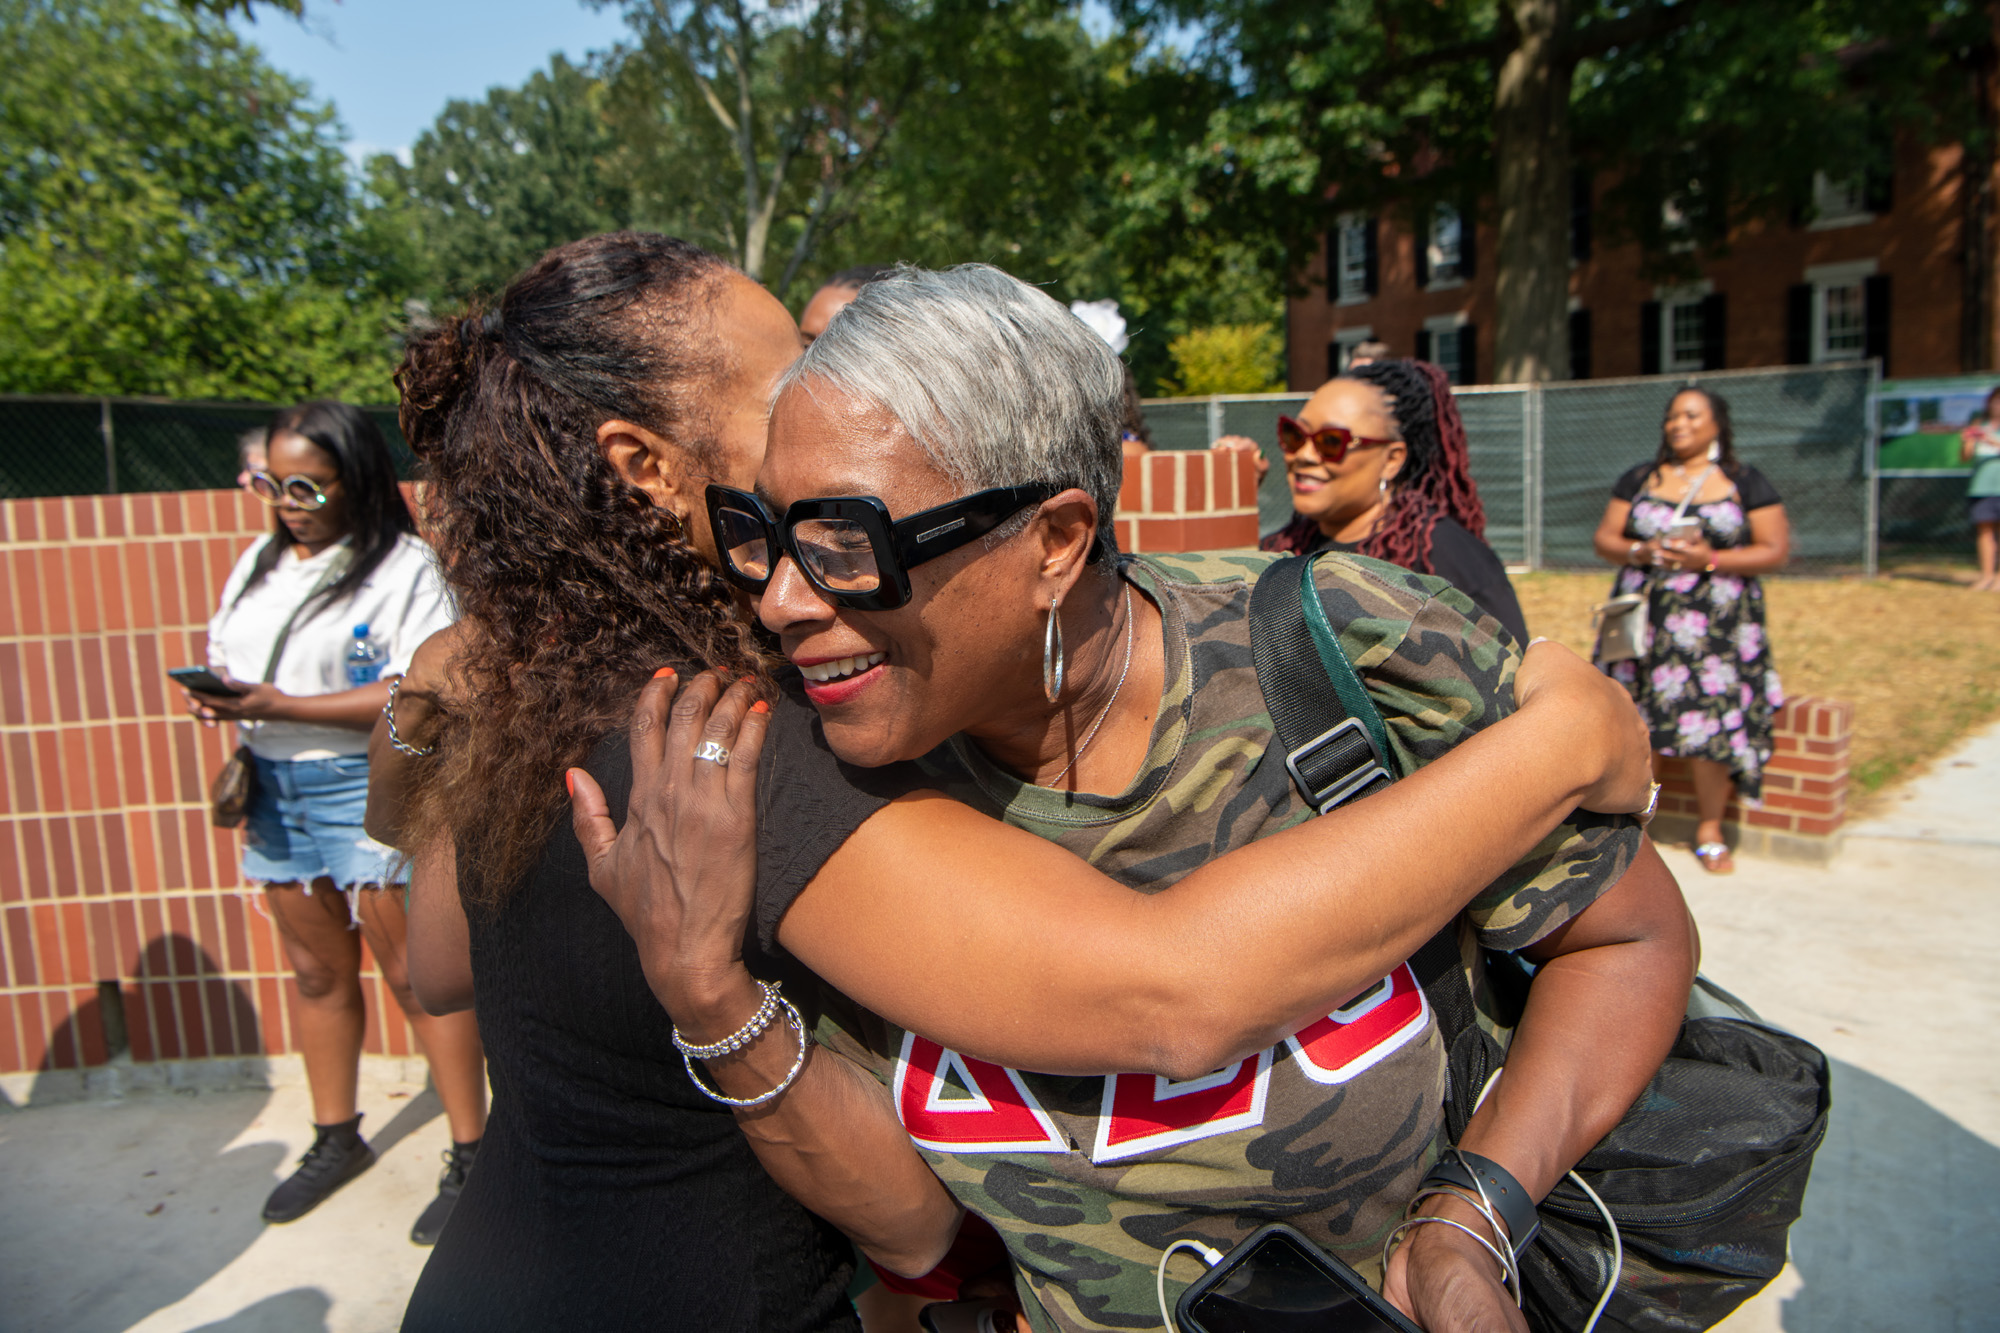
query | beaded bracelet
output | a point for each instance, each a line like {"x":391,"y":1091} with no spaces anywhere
{"x":791,"y":1075}
{"x":740,"y":1038}
{"x":396,"y":741}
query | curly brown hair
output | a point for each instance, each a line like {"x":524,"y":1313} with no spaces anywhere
{"x":572,"y":585}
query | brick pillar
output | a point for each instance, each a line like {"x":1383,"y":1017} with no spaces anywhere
{"x":1805,"y":788}
{"x":1188,"y":500}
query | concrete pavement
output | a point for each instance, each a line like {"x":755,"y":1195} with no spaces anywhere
{"x":141,"y":1214}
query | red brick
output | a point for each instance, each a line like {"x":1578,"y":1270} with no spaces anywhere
{"x":208,"y":932}
{"x":1826,"y":747}
{"x":1162,"y":470}
{"x":24,"y":573}
{"x":1776,"y":781}
{"x":35,"y":858}
{"x":109,"y":570}
{"x":173,"y":519}
{"x":79,"y":963}
{"x":89,"y":857}
{"x":1160,"y":534}
{"x":274,"y":1012}
{"x":1130,"y":485}
{"x":10,"y":621}
{"x":138,"y":1023}
{"x":1819,"y":827}
{"x":58,"y":609}
{"x":25,"y":521}
{"x":114,"y":516}
{"x":1802,"y":765}
{"x":182,"y":956}
{"x":55,"y":523}
{"x":128,"y":941}
{"x":235,"y":936}
{"x":1767,"y":819}
{"x":154,"y":959}
{"x":37,"y":683}
{"x":169,"y":1035}
{"x":89,"y":1026}
{"x":63,"y":676}
{"x":194,"y":843}
{"x":80,"y":574}
{"x":173,"y":866}
{"x":266,"y":954}
{"x":147,"y":869}
{"x":189,"y":784}
{"x":196,"y":511}
{"x":1195,"y":472}
{"x":61,"y":1020}
{"x":145,"y":514}
{"x":142,"y":610}
{"x":13,"y":700}
{"x":23,"y":970}
{"x":77,"y":794}
{"x":50,"y":960}
{"x":11,"y":890}
{"x":1219,"y":533}
{"x":10,"y":1041}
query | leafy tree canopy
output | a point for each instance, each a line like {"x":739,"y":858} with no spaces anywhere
{"x":175,"y":216}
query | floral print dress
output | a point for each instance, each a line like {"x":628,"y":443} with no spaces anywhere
{"x":1706,"y":683}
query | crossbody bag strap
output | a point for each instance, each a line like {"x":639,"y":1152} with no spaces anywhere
{"x":335,"y":567}
{"x":1335,"y":745}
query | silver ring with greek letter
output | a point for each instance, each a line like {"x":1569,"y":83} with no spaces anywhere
{"x":714,"y":752}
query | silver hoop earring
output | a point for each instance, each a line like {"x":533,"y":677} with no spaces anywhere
{"x":1052,"y":654}
{"x":1715,"y":451}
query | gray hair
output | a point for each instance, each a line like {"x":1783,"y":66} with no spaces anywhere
{"x":994,"y":380}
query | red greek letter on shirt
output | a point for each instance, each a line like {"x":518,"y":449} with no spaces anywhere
{"x":1381,"y":1020}
{"x":994,"y":1113}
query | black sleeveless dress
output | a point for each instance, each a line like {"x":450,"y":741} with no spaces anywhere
{"x":610,"y":1194}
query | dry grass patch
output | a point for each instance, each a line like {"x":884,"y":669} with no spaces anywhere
{"x":1920,"y":659}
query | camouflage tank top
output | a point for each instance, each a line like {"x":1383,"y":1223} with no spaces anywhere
{"x":1088,"y":1179}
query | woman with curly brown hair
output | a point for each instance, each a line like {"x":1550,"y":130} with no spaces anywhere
{"x":1378,"y":464}
{"x":568,"y":435}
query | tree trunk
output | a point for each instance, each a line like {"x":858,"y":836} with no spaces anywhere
{"x":1976,"y":184}
{"x":1531,"y":150}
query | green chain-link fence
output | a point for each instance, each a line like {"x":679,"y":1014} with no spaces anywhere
{"x":95,"y":446}
{"x":1545,"y":457}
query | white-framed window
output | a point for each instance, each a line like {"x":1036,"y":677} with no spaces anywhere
{"x":1446,"y":247}
{"x":1351,"y":284}
{"x":1445,"y":336}
{"x":1841,"y":202}
{"x":1840,"y":310}
{"x":1683,"y":327}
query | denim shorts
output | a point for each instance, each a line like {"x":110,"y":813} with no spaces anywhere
{"x":304,"y":822}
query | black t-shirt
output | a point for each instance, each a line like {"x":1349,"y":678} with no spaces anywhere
{"x":1470,"y":565}
{"x":609,"y":1193}
{"x":1753,"y":489}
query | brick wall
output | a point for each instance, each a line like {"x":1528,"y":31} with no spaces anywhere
{"x":1194,"y":500}
{"x":109,"y":871}
{"x":1805,"y":788}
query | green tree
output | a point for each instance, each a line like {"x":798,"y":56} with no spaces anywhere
{"x":1703,"y":112}
{"x":175,"y":216}
{"x":494,"y":183}
{"x":1226,"y":358}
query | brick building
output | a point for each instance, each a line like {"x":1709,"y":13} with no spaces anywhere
{"x":1878,"y":268}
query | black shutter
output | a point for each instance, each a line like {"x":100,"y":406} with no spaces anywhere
{"x":1798,"y":324}
{"x":1371,"y":261}
{"x":1468,"y":358}
{"x":1423,"y":344}
{"x":1579,"y":217}
{"x":1878,"y":189}
{"x":1468,"y":244}
{"x":1714,"y":320}
{"x":1579,"y":344}
{"x":1649,"y":338}
{"x":1333,"y":261}
{"x":1423,"y":250}
{"x":1875,"y":317}
{"x":1333,"y":360}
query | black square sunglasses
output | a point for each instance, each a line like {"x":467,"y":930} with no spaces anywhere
{"x":847,"y":546}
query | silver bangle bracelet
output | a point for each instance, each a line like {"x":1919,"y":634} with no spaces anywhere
{"x":791,"y":1075}
{"x":740,"y":1038}
{"x":1510,"y":1276}
{"x":396,"y":741}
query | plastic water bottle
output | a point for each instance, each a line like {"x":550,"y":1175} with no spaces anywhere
{"x":364,"y":659}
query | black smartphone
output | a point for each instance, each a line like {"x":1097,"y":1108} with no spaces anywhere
{"x":1277,"y":1281}
{"x":203,"y":681}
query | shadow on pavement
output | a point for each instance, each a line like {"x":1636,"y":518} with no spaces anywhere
{"x":116,"y":1210}
{"x":1899,"y":1218}
{"x":417,"y":1112}
{"x":300,"y":1310}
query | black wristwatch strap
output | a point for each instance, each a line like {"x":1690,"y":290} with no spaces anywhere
{"x":1484,"y":1176}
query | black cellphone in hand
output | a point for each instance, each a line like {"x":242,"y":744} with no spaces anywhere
{"x":203,"y":681}
{"x":1278,"y":1281}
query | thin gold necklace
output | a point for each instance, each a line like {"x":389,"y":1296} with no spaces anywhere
{"x":1105,"y":711}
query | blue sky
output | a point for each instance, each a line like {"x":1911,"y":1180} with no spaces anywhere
{"x":389,"y":66}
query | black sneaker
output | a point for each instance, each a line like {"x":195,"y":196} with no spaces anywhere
{"x":337,"y":1156}
{"x":457,"y":1162}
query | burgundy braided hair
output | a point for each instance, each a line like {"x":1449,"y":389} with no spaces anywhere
{"x":1436,"y":479}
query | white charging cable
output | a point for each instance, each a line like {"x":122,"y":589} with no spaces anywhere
{"x":1610,"y":1223}
{"x":1209,"y":1256}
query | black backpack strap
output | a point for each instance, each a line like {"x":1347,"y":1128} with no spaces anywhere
{"x":1336,"y":749}
{"x":1335,"y":746}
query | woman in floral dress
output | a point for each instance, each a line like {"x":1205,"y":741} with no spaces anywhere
{"x":1705,"y":683}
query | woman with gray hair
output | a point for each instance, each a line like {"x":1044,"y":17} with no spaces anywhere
{"x":930,"y":539}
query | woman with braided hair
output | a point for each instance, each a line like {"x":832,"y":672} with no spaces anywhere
{"x":1377,"y":463}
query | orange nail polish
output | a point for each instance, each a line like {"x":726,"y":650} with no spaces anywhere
{"x":663,"y":671}
{"x":569,"y":780}
{"x":760,"y":707}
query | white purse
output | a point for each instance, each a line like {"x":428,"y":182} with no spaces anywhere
{"x":1621,"y":623}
